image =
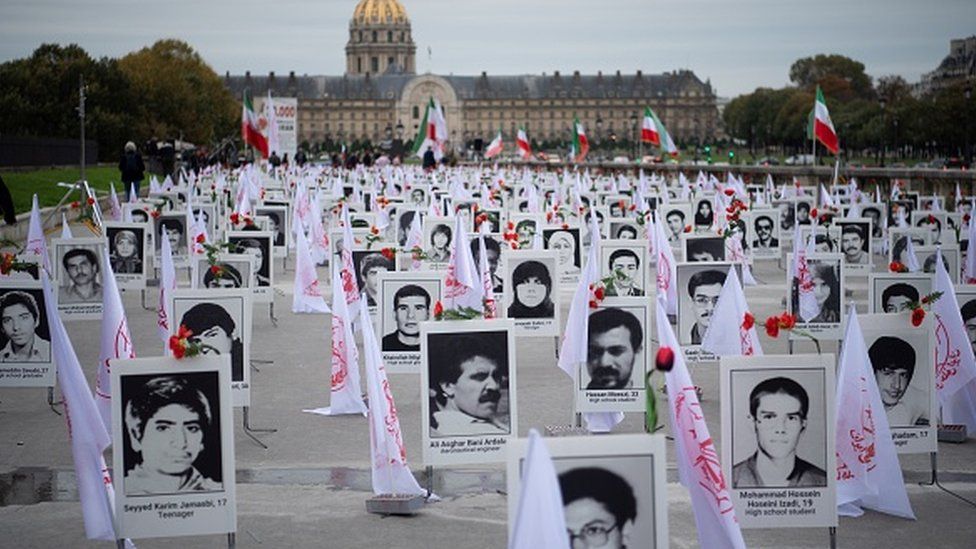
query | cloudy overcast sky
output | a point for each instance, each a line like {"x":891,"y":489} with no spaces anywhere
{"x":738,"y":44}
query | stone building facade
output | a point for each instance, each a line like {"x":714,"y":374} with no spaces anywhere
{"x":958,"y":66}
{"x":381,"y":91}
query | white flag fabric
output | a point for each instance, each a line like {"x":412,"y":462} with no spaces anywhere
{"x":868,"y":472}
{"x":699,"y":466}
{"x":462,"y":285}
{"x":89,"y":438}
{"x":65,"y":228}
{"x":911,"y":258}
{"x":274,"y":141}
{"x":487,"y":287}
{"x":415,"y":240}
{"x":969,"y":267}
{"x":345,"y":392}
{"x":115,"y":212}
{"x":727,"y":333}
{"x":667,"y":269}
{"x":809,"y":308}
{"x":390,"y":472}
{"x":347,"y":269}
{"x":36,"y":243}
{"x":116,"y":341}
{"x":955,"y":362}
{"x":167,"y":283}
{"x":306,"y":295}
{"x":539,"y":518}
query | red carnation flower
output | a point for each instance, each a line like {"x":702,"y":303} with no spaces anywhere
{"x":388,"y":253}
{"x":918,"y":315}
{"x":90,"y":201}
{"x":772,"y":327}
{"x":599,"y":293}
{"x":438,"y":309}
{"x":729,"y":192}
{"x":748,"y":321}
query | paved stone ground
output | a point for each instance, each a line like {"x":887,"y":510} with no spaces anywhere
{"x":308,"y":489}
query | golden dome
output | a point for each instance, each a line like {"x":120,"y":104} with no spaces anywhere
{"x":379,"y":11}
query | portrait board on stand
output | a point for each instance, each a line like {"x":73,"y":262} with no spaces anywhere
{"x":701,"y":247}
{"x":258,"y":244}
{"x":891,"y":292}
{"x":79,"y":275}
{"x":129,"y":247}
{"x":565,"y":241}
{"x":229,"y":271}
{"x":902,"y":358}
{"x":856,"y":245}
{"x":438,"y":238}
{"x":370,"y":264}
{"x":766,"y":234}
{"x":618,"y":358}
{"x":25,"y":335}
{"x":467,"y":375}
{"x":406,"y":299}
{"x":614,"y":492}
{"x":778,"y":439}
{"x":626,"y":261}
{"x":827,"y":284}
{"x":172,"y":225}
{"x":531,"y":298}
{"x":278,"y":224}
{"x":699,"y":285}
{"x":221,"y":321}
{"x":158,"y":404}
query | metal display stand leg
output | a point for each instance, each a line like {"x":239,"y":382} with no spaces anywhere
{"x":935,"y":481}
{"x":258,"y":361}
{"x":50,"y":401}
{"x":249,"y":431}
{"x":833,"y":537}
{"x":144,"y":301}
{"x":430,"y":481}
{"x":271,"y":315}
{"x":231,"y":540}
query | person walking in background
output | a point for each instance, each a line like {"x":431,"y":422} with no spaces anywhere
{"x":132,"y":168}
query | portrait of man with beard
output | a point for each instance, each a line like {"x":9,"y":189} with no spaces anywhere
{"x":468,"y":384}
{"x":615,"y":340}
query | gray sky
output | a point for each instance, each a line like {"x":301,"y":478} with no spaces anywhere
{"x":738,"y":44}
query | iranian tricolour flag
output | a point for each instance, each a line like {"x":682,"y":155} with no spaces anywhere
{"x":581,"y":145}
{"x":821,"y":127}
{"x":432,"y":132}
{"x":667,"y":144}
{"x":522,"y":143}
{"x":495,"y":147}
{"x":250,"y":131}
{"x":649,"y":131}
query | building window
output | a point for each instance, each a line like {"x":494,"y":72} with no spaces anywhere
{"x":375,"y":37}
{"x":389,"y":61}
{"x":374,"y":64}
{"x":359,"y":64}
{"x":416,"y":112}
{"x":389,"y":36}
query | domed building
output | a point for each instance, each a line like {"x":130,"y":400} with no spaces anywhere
{"x":381,"y":92}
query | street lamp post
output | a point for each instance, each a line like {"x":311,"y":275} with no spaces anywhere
{"x":967,"y":93}
{"x":398,"y":142}
{"x":599,"y":133}
{"x":884,"y":130}
{"x":637,"y":145}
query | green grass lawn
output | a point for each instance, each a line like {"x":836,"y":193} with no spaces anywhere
{"x":24,"y":184}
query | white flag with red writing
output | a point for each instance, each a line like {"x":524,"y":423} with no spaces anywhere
{"x":390,"y":472}
{"x":667,"y":268}
{"x":800,"y":273}
{"x":116,"y":342}
{"x":699,"y":466}
{"x":955,"y":362}
{"x":868,"y":472}
{"x":167,"y":283}
{"x":539,"y":518}
{"x":306,"y":295}
{"x":487,"y":286}
{"x":36,"y":242}
{"x":462,"y":285}
{"x":88,"y":435}
{"x":347,"y":269}
{"x":732,"y":331}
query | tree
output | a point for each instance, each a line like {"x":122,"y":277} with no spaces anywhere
{"x":840,"y":77}
{"x":179,"y":94}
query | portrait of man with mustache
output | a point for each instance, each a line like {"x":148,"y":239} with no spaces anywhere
{"x":468,"y":384}
{"x":614,"y":340}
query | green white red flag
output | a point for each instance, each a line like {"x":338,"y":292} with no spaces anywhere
{"x":649,"y":131}
{"x":250,"y":129}
{"x":581,"y":145}
{"x":822,"y":128}
{"x":432,"y":133}
{"x":495,"y":147}
{"x":522,"y":143}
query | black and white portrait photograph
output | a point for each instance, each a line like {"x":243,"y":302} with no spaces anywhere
{"x":936,"y":223}
{"x":468,"y":371}
{"x":966,"y":295}
{"x":612,"y":380}
{"x":898,"y":242}
{"x":802,"y":208}
{"x":566,"y":243}
{"x":704,"y":248}
{"x":765,"y":233}
{"x":230,"y":271}
{"x":128,"y":253}
{"x":704,"y":214}
{"x":79,"y":276}
{"x":172,"y":226}
{"x":827,"y":283}
{"x":369,"y":265}
{"x":205,"y":213}
{"x":699,"y":285}
{"x":626,"y":229}
{"x":493,"y":255}
{"x":438,"y":236}
{"x":278,"y":223}
{"x":403,"y":221}
{"x":614,"y":493}
{"x":173,"y":440}
{"x":777,"y":432}
{"x":527,"y":226}
{"x":626,"y":261}
{"x":876,"y":212}
{"x":25,"y":336}
{"x":855,"y":245}
{"x":892,"y":292}
{"x":417,"y":196}
{"x":787,"y":214}
{"x":258,"y":244}
{"x":902,"y":359}
{"x":221,"y":322}
{"x":950,"y":260}
{"x":406,"y":299}
{"x":532,"y":292}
